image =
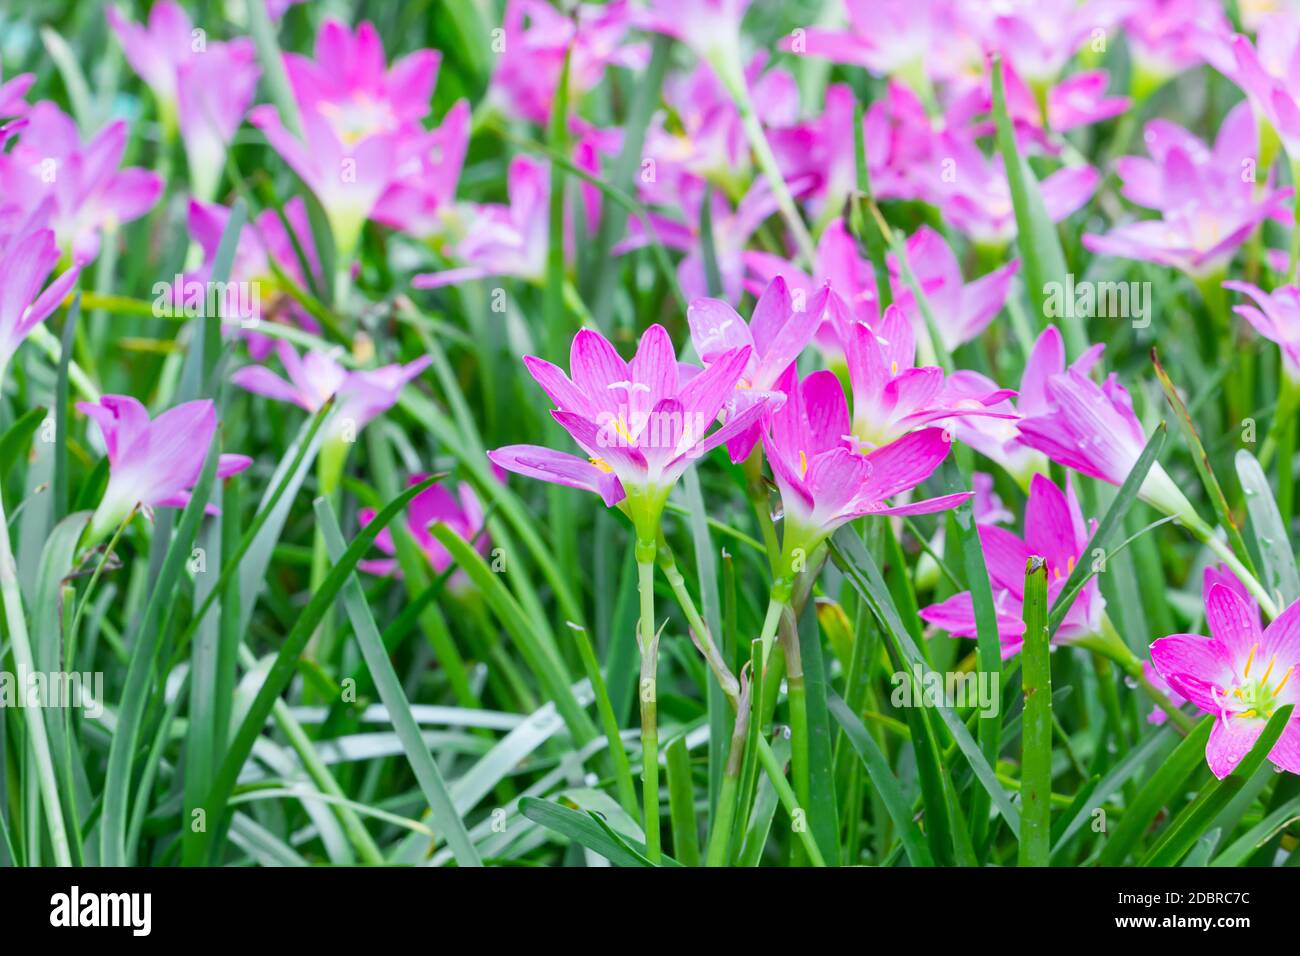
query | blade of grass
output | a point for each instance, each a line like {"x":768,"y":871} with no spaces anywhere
{"x":1036,"y":730}
{"x":1270,"y":533}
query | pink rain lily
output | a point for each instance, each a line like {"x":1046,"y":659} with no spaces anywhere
{"x":462,"y":512}
{"x":1040,"y":37}
{"x":207,"y":86}
{"x":88,"y":191}
{"x":891,"y":396}
{"x":419,"y":200}
{"x":1240,"y":674}
{"x":776,"y":334}
{"x":977,"y":199}
{"x":26,"y":259}
{"x":1266,"y":73}
{"x":152,"y":464}
{"x":537,"y":37}
{"x":1276,"y":316}
{"x":1054,"y":530}
{"x":710,"y":28}
{"x":1092,"y":429}
{"x":361,"y":123}
{"x":961,"y":310}
{"x":360,"y":396}
{"x":640,"y":423}
{"x":1078,"y":100}
{"x":505,"y":240}
{"x":999,"y":439}
{"x":12,"y":92}
{"x":1167,"y":37}
{"x":261,"y":242}
{"x":1210,"y":205}
{"x":988,"y":507}
{"x":823,"y":483}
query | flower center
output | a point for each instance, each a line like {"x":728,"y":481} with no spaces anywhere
{"x":1254,"y":697}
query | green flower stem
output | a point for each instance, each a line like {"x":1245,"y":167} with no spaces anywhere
{"x":775,"y":606}
{"x":649,"y":644}
{"x":1203,"y":533}
{"x":720,"y":829}
{"x":699,"y":630}
{"x":1288,"y":401}
{"x":733,"y":79}
{"x":25,"y":665}
{"x":329,"y":476}
{"x":797,"y":698}
{"x":788,"y":799}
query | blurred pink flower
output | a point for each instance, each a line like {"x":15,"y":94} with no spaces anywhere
{"x":360,"y":396}
{"x":1209,"y":199}
{"x":261,"y":242}
{"x":206,"y":86}
{"x":27,"y":258}
{"x":1167,"y":37}
{"x":1040,"y":37}
{"x":537,"y":37}
{"x":88,"y":191}
{"x":152,"y":464}
{"x":711,"y":28}
{"x":1240,"y":674}
{"x":462,"y":512}
{"x":1266,"y":73}
{"x":12,"y":92}
{"x":641,"y":423}
{"x":1054,"y":530}
{"x":419,"y":199}
{"x":1276,"y":316}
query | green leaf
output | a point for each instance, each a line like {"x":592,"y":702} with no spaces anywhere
{"x":1199,"y":816}
{"x":14,"y":442}
{"x":389,"y":685}
{"x":681,"y":802}
{"x":1036,"y":730}
{"x":823,"y":814}
{"x":588,"y":830}
{"x":883,"y":779}
{"x":1271,"y":538}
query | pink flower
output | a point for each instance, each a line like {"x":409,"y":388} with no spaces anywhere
{"x":261,"y":242}
{"x":1092,"y":429}
{"x":1040,"y":37}
{"x":776,"y":334}
{"x":418,"y":201}
{"x":1210,"y":205}
{"x":1266,"y":75}
{"x":537,"y":37}
{"x":1240,"y":675}
{"x":961,"y":310}
{"x":361,"y":123}
{"x":823,"y":483}
{"x":711,"y":28}
{"x":891,"y":396}
{"x":26,"y":259}
{"x":504,"y":240}
{"x":999,"y":439}
{"x":641,"y":423}
{"x":988,"y":507}
{"x":1078,"y":100}
{"x":207,"y":86}
{"x":88,"y":191}
{"x":1169,"y":36}
{"x":152,"y":464}
{"x":12,"y":92}
{"x":462,"y":512}
{"x":977,"y":199}
{"x":360,"y":396}
{"x":1276,"y":316}
{"x":1054,"y":530}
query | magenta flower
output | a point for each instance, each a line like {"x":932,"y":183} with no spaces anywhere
{"x":462,"y":512}
{"x":88,"y":191}
{"x":891,"y":396}
{"x":361,"y":123}
{"x":152,"y":464}
{"x":537,"y":37}
{"x":711,"y":28}
{"x":988,"y":507}
{"x":1267,"y":76}
{"x":1078,"y":100}
{"x":1092,"y":429}
{"x":999,"y":439}
{"x":1054,"y":530}
{"x":207,"y":86}
{"x":360,"y":396}
{"x":261,"y":242}
{"x":777,"y":332}
{"x":977,"y":199}
{"x":641,"y":423}
{"x":1209,"y":199}
{"x":1040,"y":37}
{"x":1240,"y":674}
{"x":12,"y":92}
{"x":961,"y":310}
{"x":1167,"y":37}
{"x":419,"y":201}
{"x":504,"y":240}
{"x":1276,"y":316}
{"x":26,"y":260}
{"x":823,"y":483}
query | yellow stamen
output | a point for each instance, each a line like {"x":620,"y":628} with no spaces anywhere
{"x":620,"y":426}
{"x":1245,"y":714}
{"x":1285,"y":677}
{"x":1069,"y":566}
{"x":803,"y":464}
{"x":1250,"y":659}
{"x":1264,"y":680}
{"x":893,"y":368}
{"x":602,"y":465}
{"x":1056,"y":573}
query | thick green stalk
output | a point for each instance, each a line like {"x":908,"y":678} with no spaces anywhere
{"x":24,"y":663}
{"x":720,"y":835}
{"x":1036,"y":736}
{"x":797,"y":699}
{"x":649,"y":642}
